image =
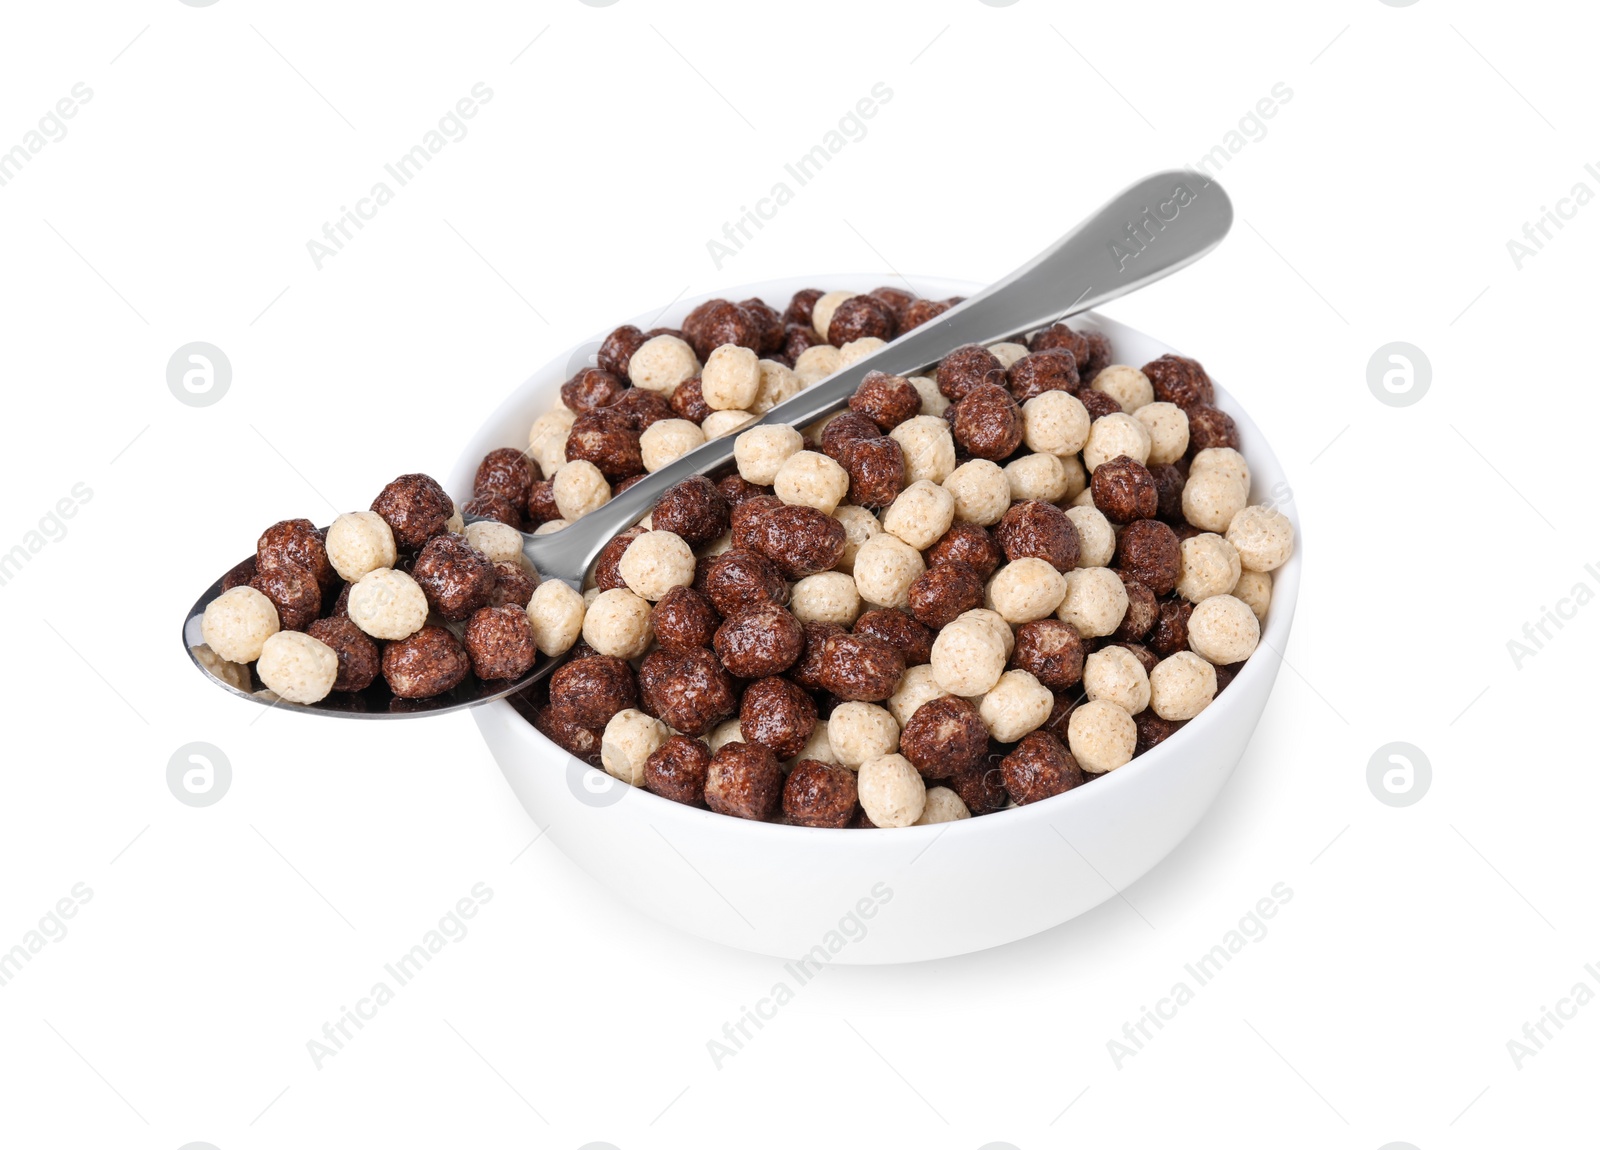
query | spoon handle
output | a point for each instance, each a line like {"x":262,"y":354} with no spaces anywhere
{"x":1152,"y":228}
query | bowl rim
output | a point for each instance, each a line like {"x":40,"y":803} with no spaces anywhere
{"x":1267,"y":475}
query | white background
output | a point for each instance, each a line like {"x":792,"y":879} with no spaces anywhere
{"x":1376,"y":207}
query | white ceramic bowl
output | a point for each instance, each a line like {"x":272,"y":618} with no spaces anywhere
{"x":884,"y":896}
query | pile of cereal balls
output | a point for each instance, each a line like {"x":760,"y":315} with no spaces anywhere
{"x":405,"y":592}
{"x":974,"y":588}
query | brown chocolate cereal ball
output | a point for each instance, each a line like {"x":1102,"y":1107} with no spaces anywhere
{"x":919,"y":312}
{"x":1225,"y":676}
{"x":944,"y":736}
{"x":912,"y":639}
{"x":970,"y":544}
{"x":687,"y":689}
{"x":591,"y":389}
{"x":818,"y":794}
{"x":736,"y":489}
{"x":1124,"y":490}
{"x":1099,"y":355}
{"x":1142,"y":612}
{"x":426,"y":664}
{"x":293,"y":591}
{"x":297,"y":543}
{"x":239,"y":574}
{"x":676,"y":770}
{"x":456,"y":577}
{"x":1050,"y":650}
{"x":987,"y":423}
{"x":981,"y":785}
{"x":800,"y":305}
{"x":641,"y":407}
{"x":887,"y":400}
{"x":513,"y":586}
{"x":1151,"y":730}
{"x":509,"y":472}
{"x":1180,"y":380}
{"x":607,"y":565}
{"x":1210,"y":427}
{"x":718,"y":322}
{"x":542,"y":503}
{"x":798,"y":338}
{"x":759,"y":640}
{"x":1061,"y":336}
{"x":941,"y":593}
{"x":1051,"y":369}
{"x":807,"y":669}
{"x":1098,"y":403}
{"x":798,"y":540}
{"x":861,"y":317}
{"x":846,"y":429}
{"x":742,"y":517}
{"x":560,"y":728}
{"x":609,"y":441}
{"x":341,"y":604}
{"x":688,"y":401}
{"x":897,"y":299}
{"x":969,"y":366}
{"x":744,"y":781}
{"x":1169,"y":492}
{"x":1038,"y":530}
{"x":1171,"y":632}
{"x":693,"y":510}
{"x":618,"y":348}
{"x":684,"y":618}
{"x":592,"y":689}
{"x":1039,"y":768}
{"x":740,"y":578}
{"x":877,"y":470}
{"x":861,"y":668}
{"x":779,"y":714}
{"x":1149,"y":551}
{"x":416,"y":509}
{"x":493,"y":505}
{"x":358,"y":655}
{"x":768,"y":323}
{"x":499,"y":640}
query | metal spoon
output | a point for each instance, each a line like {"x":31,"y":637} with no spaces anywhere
{"x":1149,"y":230}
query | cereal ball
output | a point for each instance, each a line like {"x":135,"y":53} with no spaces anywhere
{"x":1171,"y":630}
{"x":827,"y":597}
{"x":917,"y":686}
{"x":655,"y":563}
{"x":1102,"y":736}
{"x":357,"y":654}
{"x":579,"y":488}
{"x":1263,"y":537}
{"x":1039,"y":768}
{"x":876,"y":469}
{"x":912,"y":639}
{"x":359,"y":542}
{"x":1055,"y":422}
{"x":1026,"y":589}
{"x":455,"y":576}
{"x":1149,"y":551}
{"x":982,"y":786}
{"x":1180,"y":380}
{"x":591,"y":389}
{"x":1115,"y":675}
{"x":723,"y":734}
{"x":811,"y":479}
{"x":618,"y":623}
{"x":676,"y":770}
{"x":297,"y":668}
{"x":760,"y":640}
{"x":823,"y":307}
{"x":815,"y":364}
{"x":1098,"y":404}
{"x":891,"y":791}
{"x":1223,"y":461}
{"x":762,"y":451}
{"x":860,"y":668}
{"x":499,"y":641}
{"x":778,"y":714}
{"x":1255,"y":589}
{"x":1181,"y":686}
{"x":662,"y":363}
{"x":556,"y":614}
{"x":920,"y":514}
{"x":693,"y":510}
{"x":1153,"y":730}
{"x":295,"y":543}
{"x":988,"y":422}
{"x":1008,"y":353}
{"x":547,"y":439}
{"x":1210,"y":427}
{"x":1223,"y":630}
{"x":744,"y":780}
{"x":1041,"y":372}
{"x":887,"y":400}
{"x":1095,"y":601}
{"x":817,"y":746}
{"x":797,"y":540}
{"x":667,"y":440}
{"x":844,"y":430}
{"x":641,"y":408}
{"x":1015,"y":705}
{"x":776,"y":385}
{"x":387,"y":604}
{"x":1209,"y":566}
{"x":1142,"y":612}
{"x":1114,"y":435}
{"x":1060,"y":335}
{"x":497,"y":542}
{"x":629,"y":739}
{"x":944,"y":735}
{"x":859,"y":525}
{"x":966,"y":368}
{"x":509,"y":472}
{"x":932,"y":400}
{"x":929,"y":449}
{"x":425,"y":664}
{"x":684,"y":618}
{"x":807,"y":669}
{"x":1040,"y":531}
{"x":294,"y":594}
{"x":1051,"y":651}
{"x":416,"y":509}
{"x":618,"y":348}
{"x":238,"y":622}
{"x":970,"y":544}
{"x":981,"y":491}
{"x":687,"y":689}
{"x":885,"y":568}
{"x":995,"y":625}
{"x":860,"y":317}
{"x":1211,"y":499}
{"x":942,"y":593}
{"x":688,"y":402}
{"x":968,"y":658}
{"x":818,"y":794}
{"x":1169,"y":430}
{"x":486,"y":505}
{"x":607,"y":572}
{"x":720,"y":322}
{"x":860,"y":731}
{"x":1127,"y":385}
{"x":1037,"y":476}
{"x":592,"y":689}
{"x":740,"y":578}
{"x":1097,"y":541}
{"x":731,"y":379}
{"x":542,"y":503}
{"x":1169,"y":492}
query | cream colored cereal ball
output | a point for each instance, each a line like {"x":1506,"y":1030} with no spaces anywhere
{"x":1008,"y":352}
{"x":718,"y":545}
{"x":550,"y":526}
{"x":1077,"y":477}
{"x":992,"y":622}
{"x":861,"y":731}
{"x":817,"y":747}
{"x":822,"y":311}
{"x":723,"y":734}
{"x":1168,"y":426}
{"x":668,"y":439}
{"x":1084,"y":498}
{"x":859,"y":526}
{"x":238,"y":621}
{"x":815,"y":364}
{"x":928,"y":446}
{"x":1097,"y":539}
{"x":891,"y":791}
{"x":629,"y":739}
{"x":387,"y":604}
{"x":731,"y":378}
{"x":1015,"y":705}
{"x":933,"y":400}
{"x":1211,"y":499}
{"x":618,"y":624}
{"x":1263,"y":536}
{"x":942,"y":806}
{"x":920,"y":514}
{"x":980,"y":490}
{"x":885,"y":568}
{"x":1223,"y":461}
{"x":358,"y":542}
{"x":656,"y":562}
{"x":547,"y":439}
{"x":1208,"y":565}
{"x":555,"y":612}
{"x":1055,"y":421}
{"x":1095,"y":601}
{"x":811,"y":479}
{"x":762,"y":451}
{"x":1040,"y":476}
{"x":580,"y":488}
{"x":859,"y":349}
{"x":296,"y":666}
{"x":827,"y":597}
{"x":1026,"y":589}
{"x":1224,"y":630}
{"x":662,"y":363}
{"x":1127,"y":385}
{"x":968,"y":658}
{"x":778,"y":383}
{"x":1116,"y":675}
{"x":1181,"y":686}
{"x":590,"y":594}
{"x":917,"y":686}
{"x":457,"y":523}
{"x":1101,"y":736}
{"x":1116,"y":434}
{"x":1254,"y":588}
{"x":720,"y":423}
{"x":499,"y":541}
